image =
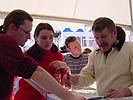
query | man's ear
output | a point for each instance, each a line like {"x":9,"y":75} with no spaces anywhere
{"x":12,"y":27}
{"x":115,"y":33}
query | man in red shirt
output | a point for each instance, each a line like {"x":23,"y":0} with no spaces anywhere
{"x":14,"y":33}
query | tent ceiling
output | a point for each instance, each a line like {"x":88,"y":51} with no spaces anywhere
{"x":69,"y":10}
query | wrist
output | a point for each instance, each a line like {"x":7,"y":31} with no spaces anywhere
{"x":66,"y":67}
{"x":68,"y":96}
{"x":127,"y":92}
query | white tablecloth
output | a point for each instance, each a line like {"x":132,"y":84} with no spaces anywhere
{"x":88,"y":94}
{"x":124,"y":98}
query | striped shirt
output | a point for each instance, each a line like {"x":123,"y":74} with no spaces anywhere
{"x":76,"y":64}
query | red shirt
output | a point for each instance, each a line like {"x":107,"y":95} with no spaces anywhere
{"x":12,"y":63}
{"x":26,"y":91}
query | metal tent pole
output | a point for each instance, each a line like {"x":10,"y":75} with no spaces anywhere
{"x":131,"y":14}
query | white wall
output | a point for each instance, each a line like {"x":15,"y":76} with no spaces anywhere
{"x":118,"y":10}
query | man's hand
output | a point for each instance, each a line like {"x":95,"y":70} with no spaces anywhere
{"x":76,"y":97}
{"x":114,"y":93}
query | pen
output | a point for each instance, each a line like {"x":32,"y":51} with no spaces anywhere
{"x":68,"y":77}
{"x":96,"y":98}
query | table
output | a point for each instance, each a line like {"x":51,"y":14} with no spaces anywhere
{"x":124,"y":98}
{"x":88,"y":94}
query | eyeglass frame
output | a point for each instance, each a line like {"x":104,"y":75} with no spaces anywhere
{"x":27,"y":33}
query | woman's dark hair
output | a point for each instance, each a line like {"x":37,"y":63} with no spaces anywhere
{"x":16,"y":17}
{"x":35,"y":51}
{"x":120,"y":33}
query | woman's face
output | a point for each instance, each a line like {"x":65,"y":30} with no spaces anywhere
{"x":45,"y":39}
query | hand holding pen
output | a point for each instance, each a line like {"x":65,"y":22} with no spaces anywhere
{"x":70,"y":80}
{"x":67,"y":81}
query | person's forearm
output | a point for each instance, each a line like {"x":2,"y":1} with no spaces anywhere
{"x":44,"y":79}
{"x":37,"y":87}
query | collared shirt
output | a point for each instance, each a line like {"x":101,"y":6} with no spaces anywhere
{"x":113,"y":71}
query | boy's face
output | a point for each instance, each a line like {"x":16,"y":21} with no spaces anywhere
{"x":74,"y":47}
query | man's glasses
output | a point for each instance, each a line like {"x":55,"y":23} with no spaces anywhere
{"x":26,"y":32}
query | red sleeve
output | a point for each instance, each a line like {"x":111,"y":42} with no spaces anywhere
{"x":60,"y":56}
{"x":12,"y":59}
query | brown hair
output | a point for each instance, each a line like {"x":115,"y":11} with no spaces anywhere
{"x":87,"y":50}
{"x":121,"y":35}
{"x":69,"y":39}
{"x":102,"y":23}
{"x":42,"y":26}
{"x":17,"y":17}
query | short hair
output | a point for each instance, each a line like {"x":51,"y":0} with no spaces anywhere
{"x":102,"y":23}
{"x":69,"y":39}
{"x":87,"y":50}
{"x":17,"y":17}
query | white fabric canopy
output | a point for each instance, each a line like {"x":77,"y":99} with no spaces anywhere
{"x":118,"y":10}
